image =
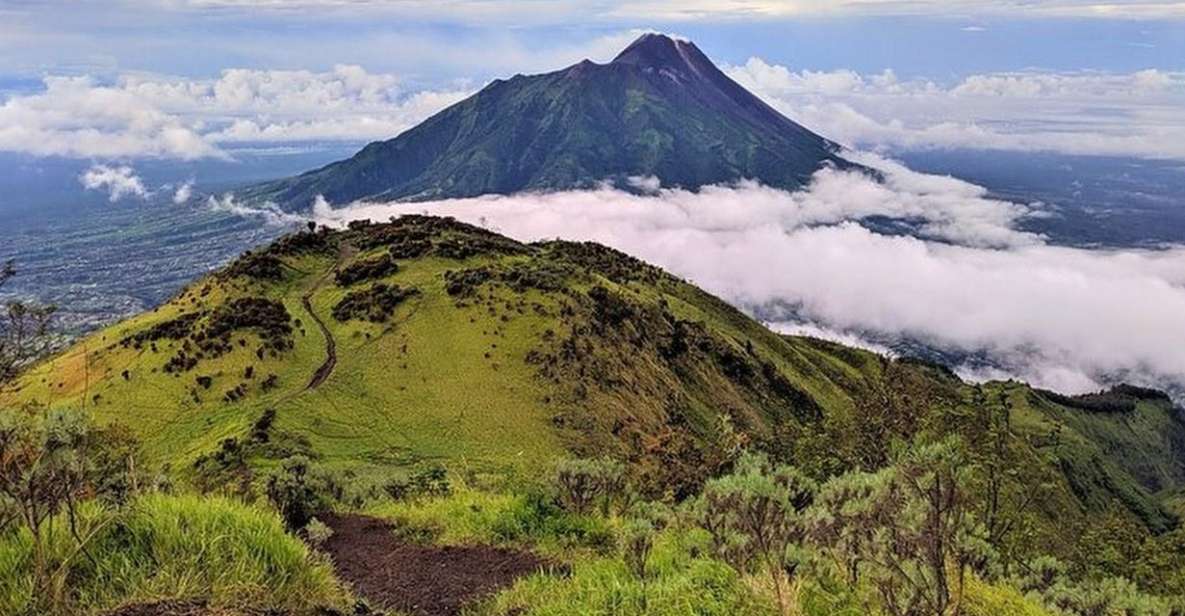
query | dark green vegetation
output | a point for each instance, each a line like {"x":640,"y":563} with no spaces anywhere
{"x":699,"y":458}
{"x":661,"y":109}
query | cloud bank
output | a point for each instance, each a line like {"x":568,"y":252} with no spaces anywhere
{"x":158,"y":116}
{"x":1065,"y":318}
{"x":119,"y":182}
{"x":1138,"y":114}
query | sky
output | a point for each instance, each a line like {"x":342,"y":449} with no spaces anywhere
{"x":190,"y":79}
{"x":117,"y":86}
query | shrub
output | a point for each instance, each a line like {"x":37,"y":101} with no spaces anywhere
{"x":366,"y":269}
{"x":637,"y":539}
{"x":1046,"y":581}
{"x":908,"y":530}
{"x":584,"y":483}
{"x":432,"y":481}
{"x":317,"y":532}
{"x":255,"y":265}
{"x":756,"y":517}
{"x":261,"y":429}
{"x":375,"y":304}
{"x":638,"y":532}
{"x":298,"y":491}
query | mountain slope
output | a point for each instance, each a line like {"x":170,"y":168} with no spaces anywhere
{"x":427,"y":341}
{"x":661,"y":108}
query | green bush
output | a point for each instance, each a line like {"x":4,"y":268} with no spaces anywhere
{"x":1047,"y":582}
{"x":907,"y":530}
{"x":755,"y":516}
{"x":637,"y":540}
{"x":299,"y":491}
{"x":582,"y":484}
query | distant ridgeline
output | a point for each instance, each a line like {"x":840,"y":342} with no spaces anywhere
{"x":660,"y":109}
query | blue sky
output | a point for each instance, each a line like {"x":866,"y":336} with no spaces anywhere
{"x":434,"y":42}
{"x":197,"y":78}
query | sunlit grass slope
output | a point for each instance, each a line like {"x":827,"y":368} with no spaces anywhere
{"x":457,"y":346}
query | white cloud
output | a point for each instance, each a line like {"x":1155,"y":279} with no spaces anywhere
{"x":183,"y":193}
{"x":119,"y":182}
{"x":1059,"y":317}
{"x":815,"y":330}
{"x":1136,"y":114}
{"x":269,"y":212}
{"x":76,"y":117}
{"x":1132,"y":114}
{"x":157,"y":116}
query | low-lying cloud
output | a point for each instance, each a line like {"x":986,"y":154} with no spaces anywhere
{"x":183,"y":193}
{"x":966,"y":281}
{"x":268,"y":213}
{"x":119,"y":182}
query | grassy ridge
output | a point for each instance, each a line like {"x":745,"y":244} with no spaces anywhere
{"x":504,"y":356}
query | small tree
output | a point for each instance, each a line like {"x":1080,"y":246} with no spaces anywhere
{"x":756,"y":517}
{"x":908,"y":529}
{"x":845,"y":518}
{"x":48,"y":462}
{"x":24,"y":331}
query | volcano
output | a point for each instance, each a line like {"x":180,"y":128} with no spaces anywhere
{"x":660,"y":109}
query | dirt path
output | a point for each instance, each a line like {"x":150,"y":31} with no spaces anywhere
{"x":419,"y":579}
{"x":187,"y":607}
{"x":326,"y":368}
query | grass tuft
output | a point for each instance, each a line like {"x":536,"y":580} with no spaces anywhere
{"x":167,"y":547}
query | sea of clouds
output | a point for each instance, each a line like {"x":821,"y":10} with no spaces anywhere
{"x":964,"y":279}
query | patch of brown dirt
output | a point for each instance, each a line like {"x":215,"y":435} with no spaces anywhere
{"x":178,"y":607}
{"x":419,"y":579}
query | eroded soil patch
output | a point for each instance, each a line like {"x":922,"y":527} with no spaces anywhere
{"x":183,"y":607}
{"x":419,"y":579}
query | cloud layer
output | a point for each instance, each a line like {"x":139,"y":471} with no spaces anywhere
{"x":1138,"y":114}
{"x":155,"y":116}
{"x":1064,"y":318}
{"x":1133,"y":114}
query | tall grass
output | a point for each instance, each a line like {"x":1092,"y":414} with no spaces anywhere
{"x":166,"y":547}
{"x":679,"y":581}
{"x":469,"y":516}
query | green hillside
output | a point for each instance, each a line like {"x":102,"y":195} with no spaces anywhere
{"x":456,"y":346}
